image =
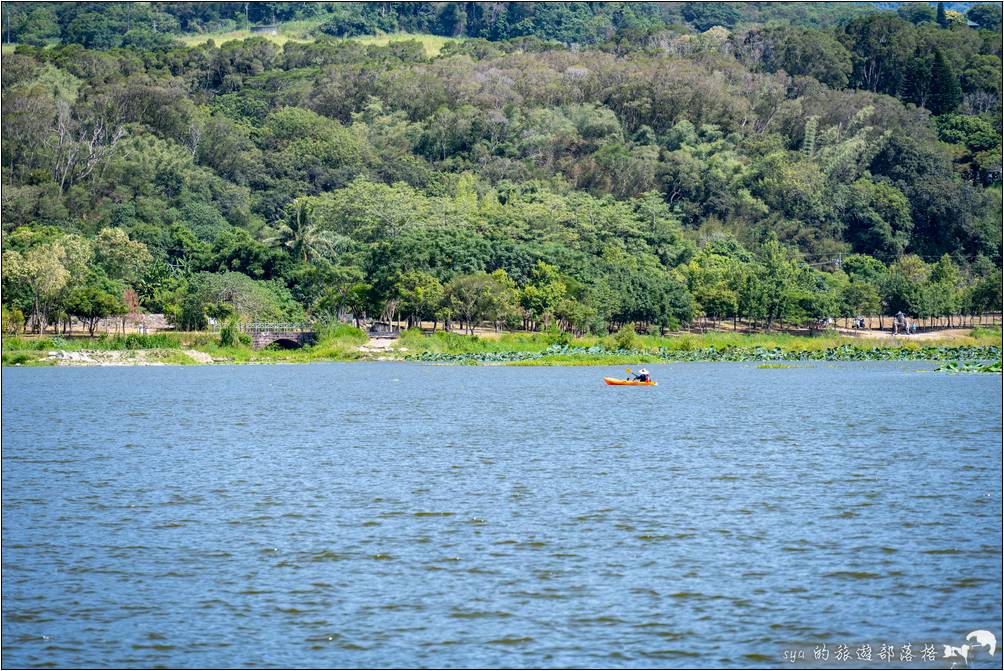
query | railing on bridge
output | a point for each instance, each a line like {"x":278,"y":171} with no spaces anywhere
{"x":285,"y":334}
{"x":252,"y":328}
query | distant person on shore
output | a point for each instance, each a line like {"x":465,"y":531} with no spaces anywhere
{"x":899,"y":324}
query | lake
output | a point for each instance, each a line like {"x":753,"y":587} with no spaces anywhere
{"x":346,"y":515}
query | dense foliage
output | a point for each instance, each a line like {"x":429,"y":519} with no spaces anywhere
{"x":139,"y":24}
{"x":580,"y":165}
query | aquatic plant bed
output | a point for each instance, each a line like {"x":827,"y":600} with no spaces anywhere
{"x":841,"y":353}
{"x":970,"y":367}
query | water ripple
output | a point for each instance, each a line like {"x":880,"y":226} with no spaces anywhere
{"x":372,"y":515}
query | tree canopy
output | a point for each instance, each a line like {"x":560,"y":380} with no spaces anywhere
{"x":579,"y":164}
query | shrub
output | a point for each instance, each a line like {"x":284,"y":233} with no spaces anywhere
{"x":986,"y":332}
{"x":13,"y":320}
{"x":557,"y":337}
{"x":231,"y":336}
{"x":626,"y":338}
{"x":13,"y":344}
{"x":16,"y":359}
{"x":150,"y":341}
{"x":133,"y":341}
{"x":339,"y":331}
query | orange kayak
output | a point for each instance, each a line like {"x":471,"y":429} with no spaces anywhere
{"x":629,"y":383}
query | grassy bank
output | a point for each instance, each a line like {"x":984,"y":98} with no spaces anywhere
{"x":455,"y":343}
{"x":346,"y":343}
{"x":297,"y":31}
{"x":306,"y":31}
{"x":432,"y":44}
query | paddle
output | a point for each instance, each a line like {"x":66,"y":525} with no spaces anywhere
{"x":628,"y":371}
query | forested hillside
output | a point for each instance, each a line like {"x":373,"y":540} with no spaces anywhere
{"x":580,"y":165}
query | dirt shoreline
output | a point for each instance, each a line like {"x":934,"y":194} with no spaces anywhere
{"x":140,"y":357}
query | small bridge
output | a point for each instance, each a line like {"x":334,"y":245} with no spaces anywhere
{"x":287,"y":336}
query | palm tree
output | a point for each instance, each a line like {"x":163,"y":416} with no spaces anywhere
{"x":304,"y":238}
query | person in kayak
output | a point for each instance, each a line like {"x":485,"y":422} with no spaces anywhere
{"x":643,"y":375}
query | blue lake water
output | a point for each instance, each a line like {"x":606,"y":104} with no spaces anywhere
{"x":345,"y":515}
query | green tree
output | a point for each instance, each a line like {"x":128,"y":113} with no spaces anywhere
{"x":576,"y":316}
{"x":304,"y":238}
{"x":863,"y":268}
{"x":817,"y":295}
{"x":225,"y":295}
{"x":421,"y":294}
{"x":542,"y":295}
{"x":41,"y":273}
{"x":328,"y":288}
{"x":470,"y":298}
{"x":860,"y":298}
{"x":982,"y":75}
{"x":986,"y":16}
{"x":975,"y":133}
{"x":119,"y":257}
{"x":946,"y":93}
{"x":716,"y":278}
{"x":902,"y":288}
{"x":36,"y":27}
{"x":882,"y":45}
{"x":942,"y":18}
{"x":802,"y":51}
{"x":706,"y":15}
{"x":503,"y":299}
{"x":942,"y":205}
{"x":945,"y":286}
{"x":718,"y":302}
{"x":359,"y":300}
{"x":779,"y":275}
{"x":877,"y":219}
{"x":917,"y":12}
{"x":97,"y":298}
{"x":985,"y":294}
